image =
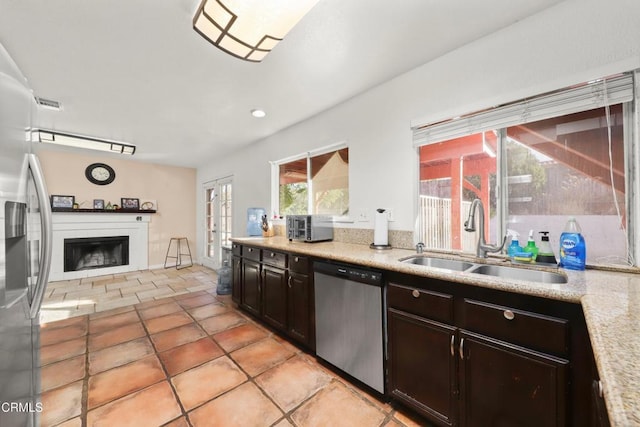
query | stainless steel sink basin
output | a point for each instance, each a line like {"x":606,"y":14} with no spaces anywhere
{"x":449,"y":264}
{"x":519,"y":273}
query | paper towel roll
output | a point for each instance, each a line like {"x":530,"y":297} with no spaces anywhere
{"x":381,"y":228}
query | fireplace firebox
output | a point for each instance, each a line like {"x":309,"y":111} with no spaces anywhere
{"x":95,"y":252}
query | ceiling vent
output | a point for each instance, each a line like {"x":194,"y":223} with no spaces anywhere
{"x":49,"y":104}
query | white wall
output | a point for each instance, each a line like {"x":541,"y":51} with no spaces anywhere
{"x":575,"y":41}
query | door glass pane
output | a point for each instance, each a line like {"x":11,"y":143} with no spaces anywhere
{"x":452,"y":174}
{"x":225,"y":215}
{"x":564,"y":167}
{"x":210,"y":222}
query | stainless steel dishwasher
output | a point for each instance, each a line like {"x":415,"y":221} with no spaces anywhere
{"x":349,"y":321}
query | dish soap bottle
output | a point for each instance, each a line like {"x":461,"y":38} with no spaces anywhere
{"x":545,"y":253}
{"x":573,"y":248}
{"x":514,"y":247}
{"x":531,"y":247}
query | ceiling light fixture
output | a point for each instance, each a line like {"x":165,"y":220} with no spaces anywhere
{"x":80,"y":141}
{"x":248,"y":29}
{"x":256,"y":112}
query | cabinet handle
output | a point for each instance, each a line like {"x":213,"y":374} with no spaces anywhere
{"x":289,"y":281}
{"x":415,"y":293}
{"x":296,"y":259}
{"x":461,"y":349}
{"x":273,"y":254}
{"x":509,"y":315}
{"x":250,"y":249}
{"x":453,"y":344}
{"x":600,"y":390}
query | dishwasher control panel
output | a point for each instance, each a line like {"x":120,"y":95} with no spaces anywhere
{"x":356,"y":274}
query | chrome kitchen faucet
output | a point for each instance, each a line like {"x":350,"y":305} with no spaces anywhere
{"x":470,"y":225}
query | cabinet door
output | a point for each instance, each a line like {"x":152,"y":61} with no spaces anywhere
{"x":251,"y":286}
{"x":274,"y":296}
{"x":506,"y":385}
{"x":236,"y":289}
{"x":422,"y":365}
{"x":299,"y":307}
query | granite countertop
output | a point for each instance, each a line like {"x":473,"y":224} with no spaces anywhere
{"x":610,"y":302}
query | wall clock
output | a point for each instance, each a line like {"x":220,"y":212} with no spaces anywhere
{"x":100,"y":173}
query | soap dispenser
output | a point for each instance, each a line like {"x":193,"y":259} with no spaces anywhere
{"x":545,"y":253}
{"x":531,"y":247}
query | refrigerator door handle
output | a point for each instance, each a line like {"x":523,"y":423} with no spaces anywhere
{"x":45,"y":219}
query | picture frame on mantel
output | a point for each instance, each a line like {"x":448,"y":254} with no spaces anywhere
{"x":98,"y":204}
{"x":129,"y":204}
{"x":148,"y":205}
{"x":59,"y":201}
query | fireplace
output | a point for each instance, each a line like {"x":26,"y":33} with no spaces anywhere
{"x":81,"y":225}
{"x":95,"y":252}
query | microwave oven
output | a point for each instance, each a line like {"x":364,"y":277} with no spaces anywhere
{"x":310,"y":228}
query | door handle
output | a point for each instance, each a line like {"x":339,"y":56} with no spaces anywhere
{"x":45,"y":221}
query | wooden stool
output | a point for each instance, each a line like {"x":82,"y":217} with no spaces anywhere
{"x":179,"y":254}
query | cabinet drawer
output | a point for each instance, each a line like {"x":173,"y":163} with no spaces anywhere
{"x":276,"y":259}
{"x":299,"y":264}
{"x":236,"y":249}
{"x":533,"y":330}
{"x":251,"y":253}
{"x":429,"y":304}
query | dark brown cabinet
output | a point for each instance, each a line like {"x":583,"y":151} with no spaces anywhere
{"x":300,"y":309}
{"x":463,"y":356}
{"x":422,"y":366}
{"x":506,"y":385}
{"x":236,"y":273}
{"x":274,"y":296}
{"x":277,"y":288}
{"x":251,"y":286}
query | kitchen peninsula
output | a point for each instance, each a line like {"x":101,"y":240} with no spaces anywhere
{"x":610,"y":303}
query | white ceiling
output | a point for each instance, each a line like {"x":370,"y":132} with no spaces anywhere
{"x":136,"y":71}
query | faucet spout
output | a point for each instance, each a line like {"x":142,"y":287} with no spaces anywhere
{"x":469,"y":225}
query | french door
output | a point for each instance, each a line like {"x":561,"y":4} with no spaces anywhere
{"x":218,"y":217}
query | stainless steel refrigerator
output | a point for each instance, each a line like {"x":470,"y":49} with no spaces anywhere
{"x":25,"y":251}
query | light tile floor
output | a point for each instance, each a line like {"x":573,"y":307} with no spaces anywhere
{"x":183,"y":358}
{"x":95,"y":294}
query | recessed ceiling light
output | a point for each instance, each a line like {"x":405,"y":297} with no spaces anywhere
{"x":256,"y":112}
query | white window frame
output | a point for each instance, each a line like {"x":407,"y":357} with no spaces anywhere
{"x":275,"y":177}
{"x":619,"y":89}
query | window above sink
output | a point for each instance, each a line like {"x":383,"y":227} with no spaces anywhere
{"x":552,"y":160}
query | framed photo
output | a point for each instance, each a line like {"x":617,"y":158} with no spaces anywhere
{"x":129,"y":204}
{"x":62,"y":202}
{"x":148,"y":205}
{"x":98,"y":204}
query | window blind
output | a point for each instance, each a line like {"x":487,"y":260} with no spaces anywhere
{"x":597,"y":94}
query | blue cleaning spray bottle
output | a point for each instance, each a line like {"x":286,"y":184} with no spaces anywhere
{"x":514,"y":247}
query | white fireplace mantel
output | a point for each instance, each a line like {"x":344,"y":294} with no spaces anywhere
{"x":72,"y":225}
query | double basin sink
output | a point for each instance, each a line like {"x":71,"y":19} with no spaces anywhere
{"x":501,"y":271}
